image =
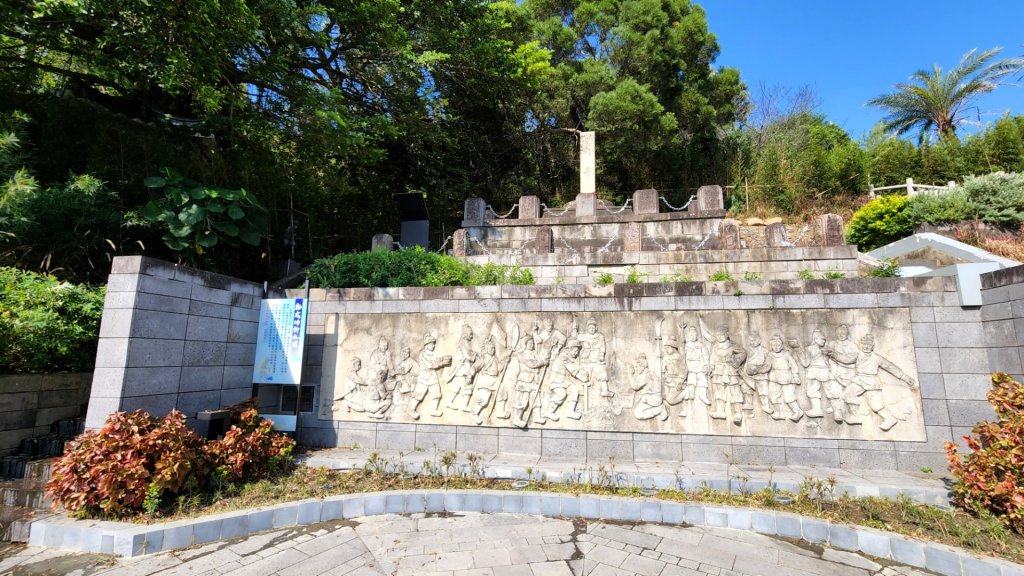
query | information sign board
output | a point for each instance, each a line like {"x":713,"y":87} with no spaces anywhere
{"x":280,"y":342}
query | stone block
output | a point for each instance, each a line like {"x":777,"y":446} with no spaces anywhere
{"x":150,"y":381}
{"x":153,"y":352}
{"x":352,"y":506}
{"x":729,"y":234}
{"x":631,"y":237}
{"x":586,"y":204}
{"x":831,"y":229}
{"x":112,"y":353}
{"x":775,"y":235}
{"x":384,"y":242}
{"x":709,"y":198}
{"x":529,"y":207}
{"x":204,"y":353}
{"x":234,"y":525}
{"x":374,"y":504}
{"x":788,"y":526}
{"x":206,"y":531}
{"x":260,"y":520}
{"x":924,"y":335}
{"x":942,"y":559}
{"x":475,"y":211}
{"x":194,"y":379}
{"x":969,"y":412}
{"x":460,"y":242}
{"x":544,"y":240}
{"x":815,"y":530}
{"x":201,"y":328}
{"x":164,"y":287}
{"x":961,"y":335}
{"x":842,"y":537}
{"x":153,"y":324}
{"x":192,"y":403}
{"x":243,"y":332}
{"x":646,"y":202}
{"x":239,"y":354}
{"x":979,"y":567}
{"x":873,"y":542}
{"x":763,"y":522}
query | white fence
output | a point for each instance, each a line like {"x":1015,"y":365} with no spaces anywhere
{"x":914,"y":189}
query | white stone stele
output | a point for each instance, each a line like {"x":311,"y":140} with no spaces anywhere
{"x":588,"y":163}
{"x":627,"y":335}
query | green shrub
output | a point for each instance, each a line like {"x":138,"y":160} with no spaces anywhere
{"x":721,"y":276}
{"x":677,"y":276}
{"x":751,"y":276}
{"x":939,"y":208}
{"x":47,"y":325}
{"x":889,"y":268}
{"x":634,"y":276}
{"x":805,"y":275}
{"x":604,"y":279}
{"x":409,"y":267}
{"x":996,"y":199}
{"x":834,"y":275}
{"x":879,"y":222}
{"x":991,"y":477}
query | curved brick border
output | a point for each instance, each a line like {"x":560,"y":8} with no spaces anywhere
{"x":134,"y":540}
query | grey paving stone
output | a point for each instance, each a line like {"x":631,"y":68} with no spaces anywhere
{"x":942,"y":560}
{"x":815,"y":530}
{"x":845,"y":538}
{"x":874,"y":543}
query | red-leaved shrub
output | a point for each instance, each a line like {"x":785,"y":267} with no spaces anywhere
{"x":251,"y":449}
{"x":109,"y":470}
{"x":991,"y":477}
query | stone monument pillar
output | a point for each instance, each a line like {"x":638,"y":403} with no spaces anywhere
{"x":775,"y":235}
{"x":645,"y":201}
{"x":544,"y":243}
{"x":529,"y":207}
{"x":586,"y":200}
{"x":729,"y":234}
{"x":631,"y":237}
{"x":708,"y":198}
{"x":382,"y":242}
{"x":460,"y":244}
{"x":831,"y":226}
{"x":476,"y":210}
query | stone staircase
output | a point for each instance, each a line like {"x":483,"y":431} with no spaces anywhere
{"x":23,"y":478}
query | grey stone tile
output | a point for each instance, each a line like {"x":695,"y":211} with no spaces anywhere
{"x":159,"y":325}
{"x":942,"y":560}
{"x":144,"y":352}
{"x":873,"y":542}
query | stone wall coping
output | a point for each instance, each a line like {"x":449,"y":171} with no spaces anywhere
{"x":1004,"y":277}
{"x":131,"y":540}
{"x":598,"y":219}
{"x":639,"y":290}
{"x":846,"y":252}
{"x":147,"y":266}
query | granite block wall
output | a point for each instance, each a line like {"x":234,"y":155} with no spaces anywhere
{"x":31,"y":403}
{"x":952,"y":349}
{"x":173,"y":337}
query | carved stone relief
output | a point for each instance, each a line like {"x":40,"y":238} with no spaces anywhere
{"x":847,"y":374}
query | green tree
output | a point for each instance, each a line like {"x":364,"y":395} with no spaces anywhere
{"x":938,"y":101}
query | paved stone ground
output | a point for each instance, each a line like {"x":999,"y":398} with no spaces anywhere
{"x":471,"y":545}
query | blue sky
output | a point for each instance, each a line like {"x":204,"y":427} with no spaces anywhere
{"x":850,"y":51}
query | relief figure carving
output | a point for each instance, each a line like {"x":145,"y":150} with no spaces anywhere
{"x":696,"y":366}
{"x":756,"y":370}
{"x":726,"y":358}
{"x":464,"y":369}
{"x":819,"y":379}
{"x":488,"y":379}
{"x":648,"y":400}
{"x":428,"y":382}
{"x":567,"y":375}
{"x":783,"y":380}
{"x":351,"y":397}
{"x":842,"y":359}
{"x":868,"y":384}
{"x":594,"y":354}
{"x":528,"y":382}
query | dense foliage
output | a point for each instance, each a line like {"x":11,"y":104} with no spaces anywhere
{"x":137,"y":461}
{"x":409,"y":267}
{"x":47,"y":325}
{"x":994,"y":199}
{"x":991,"y":476}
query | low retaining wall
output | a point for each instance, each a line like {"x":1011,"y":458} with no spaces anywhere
{"x":31,"y":403}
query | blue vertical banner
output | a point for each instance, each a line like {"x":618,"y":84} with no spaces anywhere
{"x":280,"y":342}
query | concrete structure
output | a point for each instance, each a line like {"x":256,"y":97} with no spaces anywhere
{"x":31,"y":403}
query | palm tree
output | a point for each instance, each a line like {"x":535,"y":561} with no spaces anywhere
{"x":937,"y":101}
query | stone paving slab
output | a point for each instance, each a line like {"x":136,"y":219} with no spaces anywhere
{"x":429,"y":536}
{"x":685,"y":476}
{"x":488,"y":545}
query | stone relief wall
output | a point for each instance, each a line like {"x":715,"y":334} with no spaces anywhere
{"x":844,"y":374}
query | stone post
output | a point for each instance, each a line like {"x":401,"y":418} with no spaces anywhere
{"x":476,"y":210}
{"x":544,"y":243}
{"x":631,"y":237}
{"x":708,"y":198}
{"x":586,"y":204}
{"x":588,"y":170}
{"x":729,"y":234}
{"x":382,"y":242}
{"x":529,"y":207}
{"x":831,"y":226}
{"x":645,"y":201}
{"x":460,"y":244}
{"x":775,"y":235}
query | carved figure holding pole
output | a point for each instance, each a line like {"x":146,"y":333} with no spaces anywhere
{"x":594,"y":355}
{"x":566,"y":376}
{"x":726,"y":358}
{"x":527,"y":383}
{"x":757,"y":368}
{"x":428,"y":383}
{"x":464,"y":368}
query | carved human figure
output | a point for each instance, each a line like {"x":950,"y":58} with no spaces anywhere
{"x":594,"y":354}
{"x":428,"y":383}
{"x":756,"y":369}
{"x":868,"y":384}
{"x":486,"y":382}
{"x":566,"y":376}
{"x":673,"y":371}
{"x":783,"y":380}
{"x":649,"y":401}
{"x":697,"y":366}
{"x":818,"y":377}
{"x":548,"y":339}
{"x":404,"y":371}
{"x":842,"y":359}
{"x":351,"y":397}
{"x":377,"y":398}
{"x":464,"y":368}
{"x":726,"y":358}
{"x":527,"y":382}
{"x":380,"y":360}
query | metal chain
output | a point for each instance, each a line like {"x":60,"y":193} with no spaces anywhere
{"x":500,"y":216}
{"x":673,"y":208}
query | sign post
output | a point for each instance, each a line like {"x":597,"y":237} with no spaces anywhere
{"x":279,"y":348}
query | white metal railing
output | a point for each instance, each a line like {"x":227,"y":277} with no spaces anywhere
{"x":913,"y":189}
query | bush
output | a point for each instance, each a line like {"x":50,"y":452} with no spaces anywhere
{"x":996,"y":199}
{"x":991,"y":477}
{"x":136,"y":461}
{"x":47,"y":325}
{"x":889,"y":268}
{"x":409,"y":267}
{"x":109,"y":471}
{"x":879,"y":222}
{"x":251,"y":450}
{"x":943,"y":208}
